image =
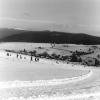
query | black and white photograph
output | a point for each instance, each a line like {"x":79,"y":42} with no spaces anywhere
{"x":49,"y":49}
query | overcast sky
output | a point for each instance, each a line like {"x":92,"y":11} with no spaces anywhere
{"x":62,"y":15}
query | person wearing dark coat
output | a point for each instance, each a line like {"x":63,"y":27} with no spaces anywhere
{"x":31,"y":58}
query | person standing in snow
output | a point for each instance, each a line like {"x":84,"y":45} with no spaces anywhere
{"x":31,"y":59}
{"x":37,"y":59}
{"x":7,"y":54}
{"x":17,"y":55}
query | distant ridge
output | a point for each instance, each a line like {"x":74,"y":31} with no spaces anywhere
{"x":4,"y":32}
{"x":14,"y":35}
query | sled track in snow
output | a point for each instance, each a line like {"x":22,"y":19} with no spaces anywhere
{"x":12,"y":84}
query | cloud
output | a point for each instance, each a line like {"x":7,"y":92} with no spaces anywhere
{"x":25,"y":20}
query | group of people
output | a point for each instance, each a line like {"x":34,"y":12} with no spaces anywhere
{"x":20,"y":56}
{"x":8,"y":54}
{"x":36,"y":59}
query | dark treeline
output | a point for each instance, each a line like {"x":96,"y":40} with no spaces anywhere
{"x":51,"y":37}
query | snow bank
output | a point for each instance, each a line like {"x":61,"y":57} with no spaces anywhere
{"x":91,"y":96}
{"x":12,"y":84}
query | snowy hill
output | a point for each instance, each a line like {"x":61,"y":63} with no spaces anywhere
{"x":15,"y":35}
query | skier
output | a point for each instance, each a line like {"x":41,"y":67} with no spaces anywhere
{"x":31,"y":59}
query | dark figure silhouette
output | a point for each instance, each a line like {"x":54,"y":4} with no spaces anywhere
{"x":7,"y":54}
{"x":36,"y":59}
{"x":31,"y":58}
{"x":17,"y":55}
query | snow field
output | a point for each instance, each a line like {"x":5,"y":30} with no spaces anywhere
{"x":85,"y":96}
{"x":12,"y":84}
{"x":17,"y":83}
{"x":91,"y":96}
